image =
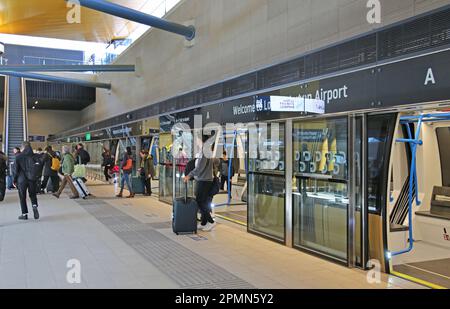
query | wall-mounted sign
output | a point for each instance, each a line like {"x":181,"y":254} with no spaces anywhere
{"x":36,"y":139}
{"x":286,"y":104}
{"x":88,"y":137}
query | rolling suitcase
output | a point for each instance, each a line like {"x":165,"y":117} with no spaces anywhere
{"x":138,"y":186}
{"x":185,"y":215}
{"x":82,"y":190}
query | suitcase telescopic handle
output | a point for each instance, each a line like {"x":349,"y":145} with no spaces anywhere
{"x":185,"y":193}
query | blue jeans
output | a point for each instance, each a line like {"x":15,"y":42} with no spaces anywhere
{"x":126,"y":178}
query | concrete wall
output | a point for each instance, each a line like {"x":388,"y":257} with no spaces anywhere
{"x":45,"y":122}
{"x":234,"y":37}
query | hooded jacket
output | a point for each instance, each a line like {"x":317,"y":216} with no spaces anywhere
{"x":27,"y":166}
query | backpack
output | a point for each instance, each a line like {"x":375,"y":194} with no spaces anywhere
{"x":56,"y":164}
{"x":34,"y":165}
{"x":85,"y":157}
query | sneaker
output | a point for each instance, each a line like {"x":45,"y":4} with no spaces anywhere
{"x":23,"y":217}
{"x":209,"y":227}
{"x":55,"y":195}
{"x":201,"y":227}
{"x":35,"y":212}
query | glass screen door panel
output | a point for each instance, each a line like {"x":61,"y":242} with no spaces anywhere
{"x":321,"y":186}
{"x":183,"y":153}
{"x":165,"y":168}
{"x":267,"y":183}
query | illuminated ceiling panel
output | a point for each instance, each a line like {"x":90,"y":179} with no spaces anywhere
{"x":48,"y":18}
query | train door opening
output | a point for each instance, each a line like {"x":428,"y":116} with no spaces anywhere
{"x":419,"y":199}
{"x":231,"y":203}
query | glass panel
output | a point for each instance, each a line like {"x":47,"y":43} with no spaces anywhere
{"x":320,"y":192}
{"x":165,"y":168}
{"x":380,"y":131}
{"x":184,"y":145}
{"x":266,"y":185}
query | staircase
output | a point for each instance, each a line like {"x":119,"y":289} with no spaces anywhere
{"x":15,"y":113}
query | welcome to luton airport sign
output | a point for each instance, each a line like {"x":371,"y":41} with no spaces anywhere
{"x":417,"y":80}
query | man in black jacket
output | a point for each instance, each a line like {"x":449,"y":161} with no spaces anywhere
{"x":48,"y":172}
{"x":82,"y":156}
{"x":25,"y":177}
{"x":3,"y":171}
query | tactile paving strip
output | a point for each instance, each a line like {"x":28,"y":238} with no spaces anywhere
{"x":186,"y":268}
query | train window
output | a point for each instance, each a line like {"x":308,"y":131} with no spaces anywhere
{"x":443,"y":135}
{"x":380,"y":131}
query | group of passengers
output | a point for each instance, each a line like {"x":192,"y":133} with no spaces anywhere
{"x":49,"y":171}
{"x":40,"y":172}
{"x":126,"y":165}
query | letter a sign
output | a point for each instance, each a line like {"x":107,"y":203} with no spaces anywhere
{"x":430,"y":77}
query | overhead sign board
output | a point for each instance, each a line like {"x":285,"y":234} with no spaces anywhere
{"x":36,"y":139}
{"x":297,"y":104}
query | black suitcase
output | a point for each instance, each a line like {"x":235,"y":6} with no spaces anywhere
{"x":185,"y":215}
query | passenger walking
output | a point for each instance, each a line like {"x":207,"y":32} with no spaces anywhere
{"x":16,"y":152}
{"x":147,"y":172}
{"x":25,"y":176}
{"x":68,"y":167}
{"x":3,"y":172}
{"x":82,"y":156}
{"x":108,"y":164}
{"x":39,"y":154}
{"x":203,"y":174}
{"x":52,"y":164}
{"x":126,"y":166}
{"x":224,"y":168}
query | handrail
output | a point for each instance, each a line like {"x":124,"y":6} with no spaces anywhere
{"x":24,"y":108}
{"x":413,"y":143}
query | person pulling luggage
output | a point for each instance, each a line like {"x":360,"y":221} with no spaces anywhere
{"x":147,"y":172}
{"x":82,"y":157}
{"x":67,"y":169}
{"x":52,"y":164}
{"x":203,"y":175}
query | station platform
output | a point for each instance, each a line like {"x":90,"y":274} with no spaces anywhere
{"x":128,"y":243}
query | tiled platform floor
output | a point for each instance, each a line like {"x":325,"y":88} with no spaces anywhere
{"x":34,"y":254}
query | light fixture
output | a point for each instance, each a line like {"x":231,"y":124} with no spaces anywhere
{"x":37,"y":102}
{"x":34,"y":107}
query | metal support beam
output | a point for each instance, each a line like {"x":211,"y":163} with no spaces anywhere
{"x":57,"y":79}
{"x":121,"y":11}
{"x":67,"y":68}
